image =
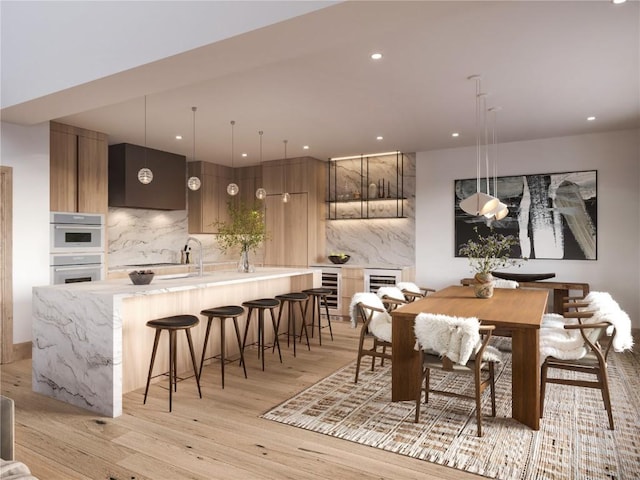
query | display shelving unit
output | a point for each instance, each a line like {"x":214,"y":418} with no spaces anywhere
{"x":366,"y":187}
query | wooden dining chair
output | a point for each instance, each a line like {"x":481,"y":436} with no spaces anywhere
{"x":392,"y":297}
{"x":376,"y":326}
{"x":412,"y":292}
{"x":437,"y":353}
{"x":591,"y":355}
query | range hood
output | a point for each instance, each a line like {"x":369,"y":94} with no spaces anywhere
{"x":167,"y":191}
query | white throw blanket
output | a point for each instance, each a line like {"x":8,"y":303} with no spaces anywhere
{"x":455,"y":337}
{"x":557,"y":342}
{"x":501,"y":283}
{"x":380,"y":325}
{"x":391,"y":292}
{"x":409,"y":287}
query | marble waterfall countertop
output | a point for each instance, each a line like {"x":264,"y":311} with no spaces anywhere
{"x":90,"y":340}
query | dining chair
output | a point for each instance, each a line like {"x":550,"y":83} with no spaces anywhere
{"x":412,"y":291}
{"x":376,"y":326}
{"x":453,"y":345}
{"x":580,"y":341}
{"x":392,"y":297}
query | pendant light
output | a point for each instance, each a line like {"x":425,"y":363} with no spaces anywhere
{"x":285,"y":195}
{"x":261,"y":193}
{"x":479,"y":203}
{"x":501,"y":210}
{"x":232,"y":188}
{"x":145,"y":175}
{"x":194,"y":182}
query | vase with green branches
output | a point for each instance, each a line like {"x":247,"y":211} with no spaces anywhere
{"x":486,"y":254}
{"x":245,"y":230}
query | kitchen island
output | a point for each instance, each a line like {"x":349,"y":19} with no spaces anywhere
{"x":90,"y":340}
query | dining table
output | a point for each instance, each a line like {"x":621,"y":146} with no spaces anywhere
{"x":517,"y":312}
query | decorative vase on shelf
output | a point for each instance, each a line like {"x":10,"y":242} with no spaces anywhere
{"x":483,"y":288}
{"x":244,"y":265}
{"x":373,"y":190}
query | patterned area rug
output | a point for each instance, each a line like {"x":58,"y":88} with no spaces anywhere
{"x":574,"y":441}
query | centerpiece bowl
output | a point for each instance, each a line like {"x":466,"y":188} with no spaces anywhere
{"x":339,"y":259}
{"x":141,"y":277}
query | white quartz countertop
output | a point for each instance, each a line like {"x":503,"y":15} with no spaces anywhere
{"x":176,"y":282}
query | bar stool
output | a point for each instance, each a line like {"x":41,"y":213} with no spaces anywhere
{"x":172,"y":325}
{"x":317,"y":295}
{"x":222,"y":313}
{"x":261,"y":305}
{"x":289,"y":300}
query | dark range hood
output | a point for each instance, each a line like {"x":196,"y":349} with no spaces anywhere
{"x":167,"y":191}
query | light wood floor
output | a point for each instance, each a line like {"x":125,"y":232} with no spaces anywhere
{"x":217,"y":437}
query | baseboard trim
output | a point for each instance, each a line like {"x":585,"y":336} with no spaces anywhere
{"x":21,"y":351}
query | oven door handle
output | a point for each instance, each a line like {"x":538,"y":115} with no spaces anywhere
{"x":78,"y":227}
{"x":70,"y":269}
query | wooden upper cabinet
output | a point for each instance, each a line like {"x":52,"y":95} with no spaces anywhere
{"x":92,"y":174}
{"x":63,"y":165}
{"x":78,"y":170}
{"x":208,"y":204}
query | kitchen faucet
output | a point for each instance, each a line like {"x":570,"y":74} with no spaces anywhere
{"x":199,"y":243}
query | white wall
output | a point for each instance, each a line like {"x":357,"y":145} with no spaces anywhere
{"x":616,"y":157}
{"x":26,"y":150}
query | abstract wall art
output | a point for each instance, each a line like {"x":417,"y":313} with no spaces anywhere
{"x":553,"y":215}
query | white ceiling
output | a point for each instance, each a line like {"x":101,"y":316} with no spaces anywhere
{"x":310,"y":80}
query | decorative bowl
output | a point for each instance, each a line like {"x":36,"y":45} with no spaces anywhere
{"x":523,"y":277}
{"x":141,"y":277}
{"x":339,"y":259}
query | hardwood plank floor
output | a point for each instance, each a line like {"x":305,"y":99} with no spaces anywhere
{"x":217,"y":437}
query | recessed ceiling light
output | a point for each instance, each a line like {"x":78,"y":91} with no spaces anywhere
{"x":305,"y":147}
{"x":618,"y":2}
{"x":379,"y":137}
{"x":245,"y":155}
{"x":178,"y":137}
{"x":455,"y":134}
{"x":376,"y":56}
{"x":591,"y":119}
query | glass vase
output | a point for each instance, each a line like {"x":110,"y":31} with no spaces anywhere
{"x":244,"y":265}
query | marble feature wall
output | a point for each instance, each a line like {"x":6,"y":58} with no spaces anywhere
{"x":379,"y":241}
{"x":138,"y":236}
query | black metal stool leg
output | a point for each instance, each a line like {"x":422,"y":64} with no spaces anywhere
{"x":326,"y":307}
{"x":303,"y":327}
{"x":222,"y":342}
{"x":277,"y":343}
{"x":235,"y":324}
{"x":153,"y":359}
{"x":193,"y":360}
{"x":172,"y":366}
{"x":244,"y":338}
{"x":204,"y":348}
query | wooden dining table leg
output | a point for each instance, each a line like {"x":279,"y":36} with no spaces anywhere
{"x":406,"y":369}
{"x":525,"y":383}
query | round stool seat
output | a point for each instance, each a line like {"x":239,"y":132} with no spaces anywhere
{"x":318,"y":291}
{"x":229,"y":311}
{"x":175,"y":321}
{"x":293,"y":297}
{"x":262,"y":303}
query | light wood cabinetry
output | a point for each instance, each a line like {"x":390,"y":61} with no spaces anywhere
{"x":208,"y":204}
{"x":78,"y":170}
{"x":352,"y":282}
{"x":296,"y":229}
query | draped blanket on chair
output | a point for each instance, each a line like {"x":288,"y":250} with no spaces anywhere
{"x":557,"y":342}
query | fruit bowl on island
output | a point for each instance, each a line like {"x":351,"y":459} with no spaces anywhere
{"x":339,"y":258}
{"x":141,"y":277}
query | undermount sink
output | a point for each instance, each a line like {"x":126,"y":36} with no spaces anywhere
{"x":174,"y":276}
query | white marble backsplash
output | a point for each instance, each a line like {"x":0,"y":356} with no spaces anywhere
{"x":138,"y":236}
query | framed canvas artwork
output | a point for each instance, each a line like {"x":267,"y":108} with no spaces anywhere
{"x":553,"y":215}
